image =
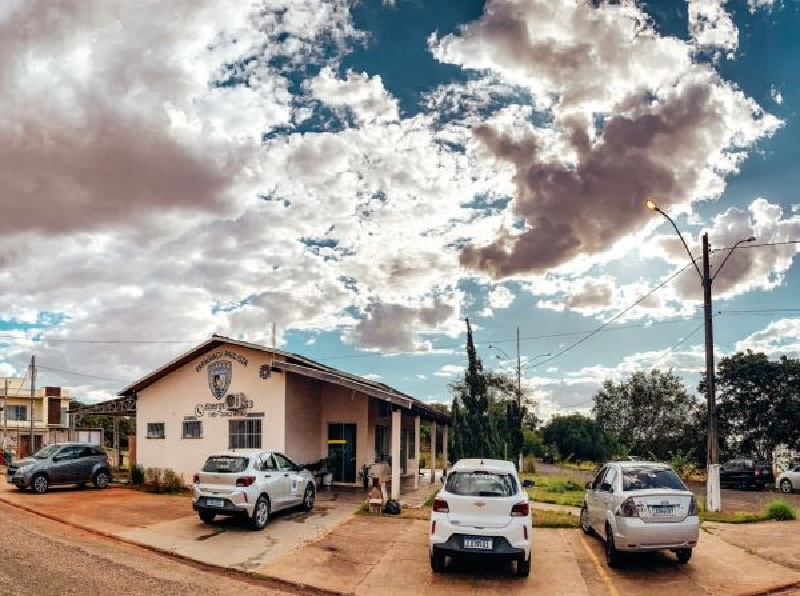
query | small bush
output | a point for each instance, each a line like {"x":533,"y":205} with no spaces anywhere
{"x":529,"y":465}
{"x":780,"y":510}
{"x":153,"y":478}
{"x":171,"y":482}
{"x":137,"y":475}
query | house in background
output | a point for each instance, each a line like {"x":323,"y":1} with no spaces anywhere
{"x":49,"y":411}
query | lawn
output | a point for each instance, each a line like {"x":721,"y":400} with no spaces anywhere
{"x":555,"y":489}
{"x":541,"y":518}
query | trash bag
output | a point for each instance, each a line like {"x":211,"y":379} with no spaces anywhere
{"x":391,"y":507}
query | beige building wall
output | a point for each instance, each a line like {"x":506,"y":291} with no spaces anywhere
{"x":340,"y":404}
{"x":179,"y":394}
{"x":303,"y":420}
{"x":406,"y":423}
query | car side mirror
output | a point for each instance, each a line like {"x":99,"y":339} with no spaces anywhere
{"x":528,"y":483}
{"x":605,"y":487}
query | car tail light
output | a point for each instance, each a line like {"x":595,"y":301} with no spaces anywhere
{"x":758,"y":472}
{"x":245,"y":480}
{"x":520,"y":509}
{"x":693,"y":507}
{"x":628,"y":508}
{"x":440,"y":506}
{"x":196,"y":479}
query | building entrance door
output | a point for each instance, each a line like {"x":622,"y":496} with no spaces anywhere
{"x":342,"y":451}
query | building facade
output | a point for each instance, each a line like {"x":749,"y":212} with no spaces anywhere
{"x":48,"y":409}
{"x":227,"y":394}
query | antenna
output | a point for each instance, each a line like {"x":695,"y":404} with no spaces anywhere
{"x":273,"y":345}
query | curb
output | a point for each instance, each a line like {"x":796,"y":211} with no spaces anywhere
{"x":774,"y":591}
{"x":258,"y":578}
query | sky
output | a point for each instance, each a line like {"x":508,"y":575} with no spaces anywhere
{"x":366,"y":174}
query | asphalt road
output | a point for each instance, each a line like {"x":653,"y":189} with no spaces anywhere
{"x":39,"y":556}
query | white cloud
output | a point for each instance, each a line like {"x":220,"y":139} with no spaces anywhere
{"x":778,"y":338}
{"x":500,"y":297}
{"x":449,"y":370}
{"x":711,"y":25}
{"x":6,"y":370}
{"x":776,"y":95}
{"x":364,"y":96}
{"x":754,"y":5}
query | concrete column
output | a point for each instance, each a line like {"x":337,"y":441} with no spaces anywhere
{"x":417,"y":448}
{"x":444,"y":446}
{"x":433,"y":452}
{"x":396,"y":430}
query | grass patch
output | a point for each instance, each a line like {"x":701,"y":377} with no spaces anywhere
{"x":581,"y":466}
{"x":780,"y":510}
{"x":554,"y":519}
{"x":776,"y":510}
{"x":556,"y":490}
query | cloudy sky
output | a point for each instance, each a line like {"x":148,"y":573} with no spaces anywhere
{"x":366,"y":174}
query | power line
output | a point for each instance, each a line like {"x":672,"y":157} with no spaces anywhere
{"x":77,"y":374}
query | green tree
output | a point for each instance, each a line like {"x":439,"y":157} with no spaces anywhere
{"x":650,"y":412}
{"x":580,"y":438}
{"x":533,"y":443}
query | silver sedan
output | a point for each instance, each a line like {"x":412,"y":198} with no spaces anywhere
{"x":641,"y":506}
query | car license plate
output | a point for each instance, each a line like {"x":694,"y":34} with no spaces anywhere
{"x":215,"y":502}
{"x":478,"y":543}
{"x":662,"y":511}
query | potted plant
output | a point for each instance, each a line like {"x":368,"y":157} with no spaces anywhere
{"x":363,"y":473}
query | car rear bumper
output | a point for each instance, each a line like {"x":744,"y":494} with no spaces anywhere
{"x":228,"y":507}
{"x":501,"y":548}
{"x":508,"y":542}
{"x":637,"y":535}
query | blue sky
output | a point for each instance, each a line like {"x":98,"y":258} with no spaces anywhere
{"x":368,"y":174}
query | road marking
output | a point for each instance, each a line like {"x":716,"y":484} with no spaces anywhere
{"x":600,"y":569}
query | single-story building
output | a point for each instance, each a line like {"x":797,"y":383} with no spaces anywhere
{"x":229,"y":394}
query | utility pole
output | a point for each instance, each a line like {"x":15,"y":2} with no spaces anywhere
{"x":519,"y":396}
{"x":5,"y":414}
{"x":714,"y":500}
{"x":33,"y":403}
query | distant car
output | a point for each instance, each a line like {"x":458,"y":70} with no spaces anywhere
{"x":789,"y":480}
{"x":746,"y":473}
{"x":252,"y":485}
{"x":482,"y":511}
{"x":638,"y":507}
{"x":548,"y":458}
{"x":61,"y":463}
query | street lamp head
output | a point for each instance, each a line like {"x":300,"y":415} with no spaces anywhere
{"x":651,"y":205}
{"x":751,"y":239}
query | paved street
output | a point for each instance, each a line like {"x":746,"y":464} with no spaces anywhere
{"x":42,"y":557}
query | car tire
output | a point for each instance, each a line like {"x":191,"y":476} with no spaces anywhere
{"x":524,"y":567}
{"x":683,"y":554}
{"x":308,"y":498}
{"x":260,"y":517}
{"x":613,"y":556}
{"x":207,"y":517}
{"x":81,"y":485}
{"x":437,"y":562}
{"x":585,"y":526}
{"x":39,"y":484}
{"x":100,"y":479}
{"x":786,"y":485}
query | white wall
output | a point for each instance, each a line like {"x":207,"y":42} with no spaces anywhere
{"x":178,"y":394}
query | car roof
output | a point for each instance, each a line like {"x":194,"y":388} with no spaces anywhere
{"x":489,"y":465}
{"x":640,"y":464}
{"x":238,"y":452}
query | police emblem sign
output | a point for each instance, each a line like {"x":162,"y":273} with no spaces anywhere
{"x":219,"y":377}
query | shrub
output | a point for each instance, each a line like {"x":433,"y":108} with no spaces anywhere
{"x":153,"y":478}
{"x":780,"y":510}
{"x":171,"y":482}
{"x":529,"y":465}
{"x":137,"y":475}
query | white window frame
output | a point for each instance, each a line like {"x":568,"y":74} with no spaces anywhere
{"x":245,"y":433}
{"x":17,"y":408}
{"x":187,"y":423}
{"x":152,"y":430}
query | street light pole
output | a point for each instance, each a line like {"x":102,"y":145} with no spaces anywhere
{"x":713,"y":491}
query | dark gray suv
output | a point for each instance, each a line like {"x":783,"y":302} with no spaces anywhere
{"x":61,"y":463}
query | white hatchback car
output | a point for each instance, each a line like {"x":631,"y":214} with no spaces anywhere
{"x":481,"y":511}
{"x":789,"y":480}
{"x":250,"y":484}
{"x":641,"y":506}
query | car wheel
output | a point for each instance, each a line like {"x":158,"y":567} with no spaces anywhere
{"x":81,"y":485}
{"x":100,"y":479}
{"x":39,"y":484}
{"x":207,"y":516}
{"x":308,"y":498}
{"x":612,"y":554}
{"x":786,"y":485}
{"x":524,"y":567}
{"x":258,"y":520}
{"x":684,"y":554}
{"x":437,"y":562}
{"x":587,"y":529}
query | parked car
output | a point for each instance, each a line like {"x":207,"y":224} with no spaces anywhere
{"x":252,"y":485}
{"x":789,"y":480}
{"x":640,"y":506}
{"x":61,"y":463}
{"x":481,"y":511}
{"x":746,"y":473}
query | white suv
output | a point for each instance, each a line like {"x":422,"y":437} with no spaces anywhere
{"x":250,"y":484}
{"x":641,"y":506}
{"x":481,"y":511}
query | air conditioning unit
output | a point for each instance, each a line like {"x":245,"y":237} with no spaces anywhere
{"x":235,"y":401}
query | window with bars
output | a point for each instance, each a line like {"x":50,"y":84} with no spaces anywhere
{"x":192,"y":429}
{"x":244,"y":434}
{"x":381,"y":443}
{"x":155,"y":430}
{"x":18,"y":413}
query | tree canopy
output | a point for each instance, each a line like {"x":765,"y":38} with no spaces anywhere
{"x":580,"y":438}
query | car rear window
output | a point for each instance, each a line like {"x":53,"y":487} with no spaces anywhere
{"x":649,"y":477}
{"x":481,"y":484}
{"x":225,"y":463}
